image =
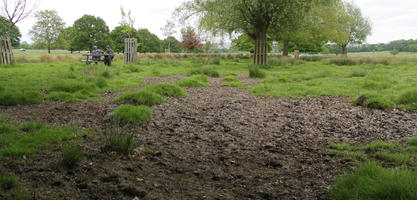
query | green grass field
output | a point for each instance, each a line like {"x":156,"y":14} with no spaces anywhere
{"x":372,"y":80}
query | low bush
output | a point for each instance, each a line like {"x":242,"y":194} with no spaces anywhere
{"x":135,"y":115}
{"x":141,"y":97}
{"x":119,"y":142}
{"x":194,"y":81}
{"x":255,"y":72}
{"x":370,"y":181}
{"x":72,"y":155}
{"x":166,"y":89}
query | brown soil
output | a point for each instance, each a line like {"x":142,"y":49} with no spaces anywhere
{"x":218,"y":143}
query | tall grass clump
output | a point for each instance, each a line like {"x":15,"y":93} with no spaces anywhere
{"x":285,"y":61}
{"x":374,"y":102}
{"x":235,"y":84}
{"x":408,"y":98}
{"x":135,"y":115}
{"x":230,"y":79}
{"x":208,"y":71}
{"x":119,"y":142}
{"x":370,"y":181}
{"x":72,"y":155}
{"x":141,"y":97}
{"x":194,"y":81}
{"x":255,"y":72}
{"x":47,"y":58}
{"x":166,"y":89}
{"x":15,"y":97}
{"x":346,"y":61}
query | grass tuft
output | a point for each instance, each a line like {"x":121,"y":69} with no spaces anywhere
{"x":167,"y":89}
{"x":141,"y":97}
{"x":194,"y":81}
{"x":235,"y":84}
{"x":136,"y":115}
{"x":72,"y":155}
{"x":119,"y":142}
{"x":370,"y":181}
{"x":230,"y":79}
{"x":255,"y":72}
{"x":11,"y":98}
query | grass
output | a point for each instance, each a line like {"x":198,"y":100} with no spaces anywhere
{"x":208,"y":71}
{"x":166,"y":89}
{"x":412,"y":141}
{"x":10,"y":188}
{"x":255,"y":72}
{"x":72,"y":155}
{"x":194,"y":81}
{"x":371,"y":181}
{"x":16,"y":142}
{"x":230,"y":79}
{"x":235,"y":84}
{"x":135,"y":115}
{"x":119,"y":142}
{"x":141,"y":97}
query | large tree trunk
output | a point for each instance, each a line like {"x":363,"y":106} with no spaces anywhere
{"x":344,"y":49}
{"x":49,"y":48}
{"x":285,"y":49}
{"x":260,"y":56}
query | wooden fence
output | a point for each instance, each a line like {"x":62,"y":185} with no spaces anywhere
{"x":131,"y":46}
{"x":6,"y":53}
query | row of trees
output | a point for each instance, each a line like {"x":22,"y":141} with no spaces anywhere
{"x":400,"y":45}
{"x":307,"y":24}
{"x":50,"y":32}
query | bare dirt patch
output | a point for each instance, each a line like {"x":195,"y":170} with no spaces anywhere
{"x":218,"y":143}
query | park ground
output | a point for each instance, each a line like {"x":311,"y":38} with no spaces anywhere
{"x":296,"y":129}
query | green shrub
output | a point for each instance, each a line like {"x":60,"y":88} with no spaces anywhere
{"x":255,"y":72}
{"x":230,"y":79}
{"x":370,"y":181}
{"x":194,"y":81}
{"x":136,"y":115}
{"x":72,"y":155}
{"x":235,"y":84}
{"x":141,"y":97}
{"x":394,"y":52}
{"x":11,"y":98}
{"x":119,"y":142}
{"x":166,"y":89}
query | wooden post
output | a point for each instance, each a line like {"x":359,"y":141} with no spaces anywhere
{"x":296,"y":54}
{"x":6,"y":53}
{"x":131,"y":46}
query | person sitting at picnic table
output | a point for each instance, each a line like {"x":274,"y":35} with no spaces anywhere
{"x":96,"y":54}
{"x":109,"y":55}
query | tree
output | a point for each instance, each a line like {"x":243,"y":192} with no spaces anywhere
{"x":119,"y":34}
{"x":14,"y":13}
{"x":172,"y":44}
{"x":48,"y":27}
{"x":245,"y":43}
{"x":127,"y":21}
{"x":190,"y":40}
{"x":148,"y":42}
{"x":353,"y":27}
{"x":168,"y":31}
{"x":14,"y":32}
{"x":89,"y":31}
{"x":252,"y":17}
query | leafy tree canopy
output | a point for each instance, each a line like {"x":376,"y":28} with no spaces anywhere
{"x":89,"y":31}
{"x":47,"y":28}
{"x":14,"y":35}
{"x":148,"y":42}
{"x":119,"y":34}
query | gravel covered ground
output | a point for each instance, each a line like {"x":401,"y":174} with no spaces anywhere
{"x":218,"y":143}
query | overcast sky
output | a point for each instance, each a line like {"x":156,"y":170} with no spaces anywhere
{"x":391,"y":19}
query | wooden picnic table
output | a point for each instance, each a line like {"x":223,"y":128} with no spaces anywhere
{"x":100,"y":58}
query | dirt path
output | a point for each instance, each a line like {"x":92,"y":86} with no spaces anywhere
{"x":222,"y":143}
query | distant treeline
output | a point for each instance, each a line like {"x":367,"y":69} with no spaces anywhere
{"x":400,"y":45}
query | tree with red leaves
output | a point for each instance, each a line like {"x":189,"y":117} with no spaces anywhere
{"x":190,"y":40}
